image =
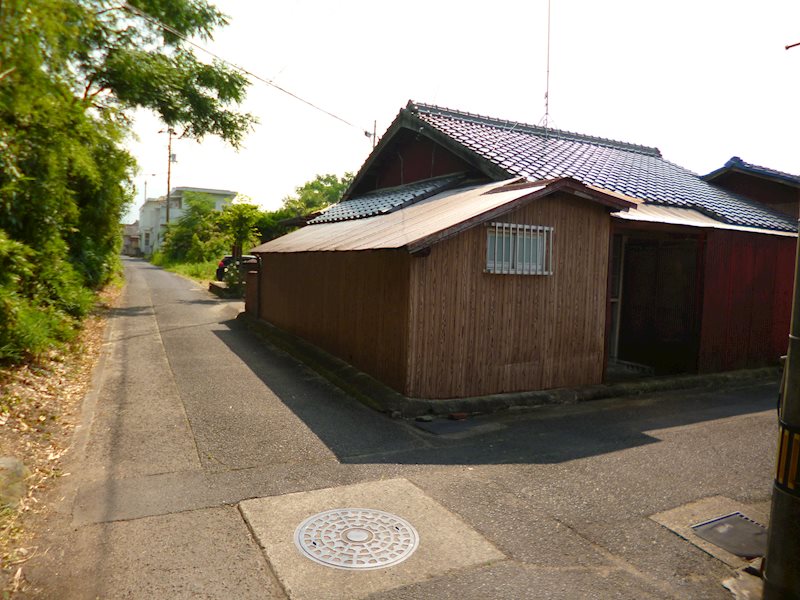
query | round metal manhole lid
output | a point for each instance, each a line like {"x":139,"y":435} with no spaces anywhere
{"x":356,"y":538}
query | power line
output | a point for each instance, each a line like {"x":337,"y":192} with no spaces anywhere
{"x":153,"y":21}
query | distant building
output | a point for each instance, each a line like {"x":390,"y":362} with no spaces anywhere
{"x":130,"y":239}
{"x":153,"y":214}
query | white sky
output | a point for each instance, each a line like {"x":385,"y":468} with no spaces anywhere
{"x":702,"y":80}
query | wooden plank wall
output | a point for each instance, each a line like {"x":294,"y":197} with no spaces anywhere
{"x":473,"y":333}
{"x":251,"y":293}
{"x":352,"y":304}
{"x":747,"y":300}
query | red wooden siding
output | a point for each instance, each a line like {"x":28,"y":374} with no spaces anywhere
{"x":782,"y":197}
{"x":474,"y":333}
{"x":411,"y":159}
{"x":352,"y":304}
{"x":746,"y":301}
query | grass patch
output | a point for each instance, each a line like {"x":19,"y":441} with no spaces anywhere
{"x":198,"y":271}
{"x":204,"y":271}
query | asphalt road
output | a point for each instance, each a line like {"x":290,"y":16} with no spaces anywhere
{"x":192,"y":416}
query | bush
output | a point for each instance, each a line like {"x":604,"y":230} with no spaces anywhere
{"x":195,"y":237}
{"x":234,"y":280}
{"x":33,"y":331}
{"x":42,"y":300}
{"x":158,"y":258}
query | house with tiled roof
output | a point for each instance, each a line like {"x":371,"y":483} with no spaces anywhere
{"x":776,"y":189}
{"x":473,"y":256}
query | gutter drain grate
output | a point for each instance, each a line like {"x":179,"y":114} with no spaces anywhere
{"x":356,"y":538}
{"x":736,"y":533}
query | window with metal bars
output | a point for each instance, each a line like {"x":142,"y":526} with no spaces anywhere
{"x":514,"y":249}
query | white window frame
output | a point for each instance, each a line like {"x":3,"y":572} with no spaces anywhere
{"x":528,"y":252}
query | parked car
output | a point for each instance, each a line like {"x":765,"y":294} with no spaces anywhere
{"x":248,"y":263}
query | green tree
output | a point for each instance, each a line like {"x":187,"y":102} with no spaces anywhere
{"x":238,"y":222}
{"x":195,"y":237}
{"x":273,"y":224}
{"x":70,"y":73}
{"x":320,"y":192}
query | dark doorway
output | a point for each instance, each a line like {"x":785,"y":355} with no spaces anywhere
{"x":655,"y":312}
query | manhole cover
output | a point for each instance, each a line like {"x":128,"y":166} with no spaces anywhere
{"x":356,"y":538}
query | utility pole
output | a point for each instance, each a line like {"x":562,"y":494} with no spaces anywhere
{"x":782,"y":562}
{"x":169,"y":167}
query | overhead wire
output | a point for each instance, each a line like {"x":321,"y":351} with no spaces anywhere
{"x":155,"y":22}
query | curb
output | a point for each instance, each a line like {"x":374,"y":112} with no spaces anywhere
{"x":220,"y":288}
{"x":378,"y":396}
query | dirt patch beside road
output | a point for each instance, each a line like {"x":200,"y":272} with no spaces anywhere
{"x":39,"y":409}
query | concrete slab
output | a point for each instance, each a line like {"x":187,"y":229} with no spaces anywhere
{"x":193,"y":555}
{"x":139,"y":497}
{"x":681,"y":519}
{"x":513,"y":581}
{"x":446,"y":543}
{"x":745,"y":586}
{"x":532,"y":536}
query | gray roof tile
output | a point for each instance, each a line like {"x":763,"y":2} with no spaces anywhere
{"x":381,"y":202}
{"x":738,"y":164}
{"x":638,"y":171}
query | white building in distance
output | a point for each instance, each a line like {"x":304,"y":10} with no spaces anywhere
{"x":153,"y":214}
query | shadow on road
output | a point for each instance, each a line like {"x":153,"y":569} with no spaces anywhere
{"x":554,"y":434}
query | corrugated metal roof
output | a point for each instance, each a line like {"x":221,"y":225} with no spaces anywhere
{"x":689,"y":217}
{"x":638,"y":171}
{"x":403,"y":227}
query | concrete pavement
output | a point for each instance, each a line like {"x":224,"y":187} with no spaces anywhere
{"x":201,"y":444}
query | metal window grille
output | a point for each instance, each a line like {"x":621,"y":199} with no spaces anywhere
{"x":514,"y":249}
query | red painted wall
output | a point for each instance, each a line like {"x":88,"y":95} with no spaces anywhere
{"x":410,"y":158}
{"x":783,"y":198}
{"x":747,"y":300}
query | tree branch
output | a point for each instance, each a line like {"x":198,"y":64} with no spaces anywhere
{"x":102,"y":12}
{"x":88,"y":87}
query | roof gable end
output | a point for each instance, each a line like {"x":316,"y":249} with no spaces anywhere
{"x":737,"y":165}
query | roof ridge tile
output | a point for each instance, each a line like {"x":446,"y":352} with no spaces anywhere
{"x":559,"y":134}
{"x":536,"y":153}
{"x":735,"y":161}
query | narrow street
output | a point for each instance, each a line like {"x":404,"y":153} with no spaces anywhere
{"x":197,"y":432}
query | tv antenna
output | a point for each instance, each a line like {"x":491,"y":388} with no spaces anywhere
{"x":545,"y":122}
